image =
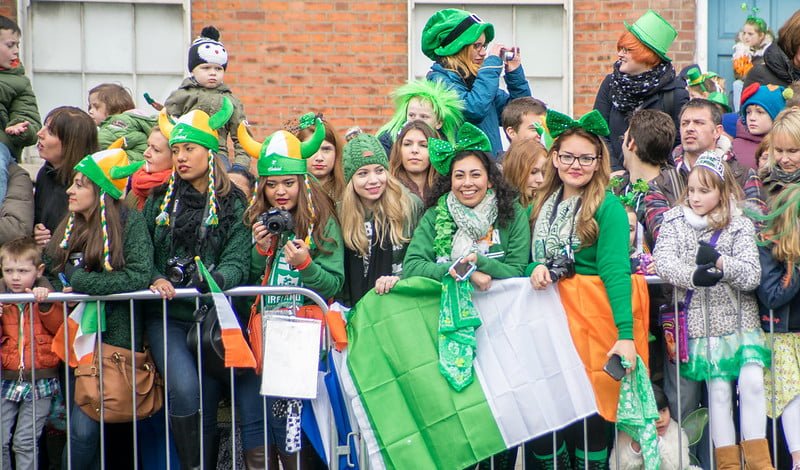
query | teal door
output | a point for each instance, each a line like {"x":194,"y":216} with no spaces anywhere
{"x":725,"y":19}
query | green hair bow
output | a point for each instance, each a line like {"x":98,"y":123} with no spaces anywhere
{"x":442,"y":152}
{"x":592,"y":122}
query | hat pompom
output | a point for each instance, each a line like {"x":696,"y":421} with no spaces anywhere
{"x":210,"y":32}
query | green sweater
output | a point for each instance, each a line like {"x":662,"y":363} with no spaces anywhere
{"x":231,"y":261}
{"x":505,"y":259}
{"x":17,"y":104}
{"x":608,"y":258}
{"x":325,"y":274}
{"x":138,"y":253}
{"x":132,"y":125}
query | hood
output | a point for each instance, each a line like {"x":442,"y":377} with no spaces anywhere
{"x":779,"y":63}
{"x":742,"y":132}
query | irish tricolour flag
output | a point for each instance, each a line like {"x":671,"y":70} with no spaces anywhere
{"x":86,"y":319}
{"x":528,"y":379}
{"x":237,"y":351}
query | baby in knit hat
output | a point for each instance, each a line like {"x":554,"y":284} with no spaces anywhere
{"x":204,"y":89}
{"x":760,"y":105}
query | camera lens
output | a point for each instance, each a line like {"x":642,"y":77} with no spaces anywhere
{"x":275,"y":226}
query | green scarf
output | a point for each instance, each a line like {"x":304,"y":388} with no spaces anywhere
{"x":457,"y":229}
{"x":637,"y":413}
{"x":550,"y":239}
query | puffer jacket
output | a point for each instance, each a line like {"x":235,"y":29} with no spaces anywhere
{"x":190,"y":95}
{"x":17,"y":104}
{"x":16,"y":211}
{"x":777,"y":69}
{"x":46,"y":320}
{"x":745,"y":144}
{"x":675,"y":262}
{"x":133,"y":125}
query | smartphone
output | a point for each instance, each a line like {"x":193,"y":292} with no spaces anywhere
{"x":463,"y":270}
{"x":63,"y":278}
{"x":614,"y":367}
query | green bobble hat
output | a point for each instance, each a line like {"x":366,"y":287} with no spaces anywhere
{"x":449,"y":30}
{"x":654,"y":32}
{"x":361,"y":150}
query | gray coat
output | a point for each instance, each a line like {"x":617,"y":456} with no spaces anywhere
{"x":675,"y":261}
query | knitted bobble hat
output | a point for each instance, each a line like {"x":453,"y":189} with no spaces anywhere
{"x":361,"y":150}
{"x":769,"y":97}
{"x":109,"y":170}
{"x":207,"y":49}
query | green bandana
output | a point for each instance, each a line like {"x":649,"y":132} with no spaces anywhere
{"x":551,"y":239}
{"x":637,"y":413}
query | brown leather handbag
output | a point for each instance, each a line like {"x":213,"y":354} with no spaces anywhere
{"x":117,"y":386}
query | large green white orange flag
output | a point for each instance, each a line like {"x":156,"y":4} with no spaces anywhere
{"x":237,"y":351}
{"x":529,"y":378}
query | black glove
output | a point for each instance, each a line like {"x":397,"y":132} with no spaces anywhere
{"x":706,"y":254}
{"x":704,"y":277}
{"x":202,"y":284}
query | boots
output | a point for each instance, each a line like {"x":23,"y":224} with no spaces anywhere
{"x":728,"y":458}
{"x":756,"y":455}
{"x":545,"y":462}
{"x":254,"y":459}
{"x":186,"y":435}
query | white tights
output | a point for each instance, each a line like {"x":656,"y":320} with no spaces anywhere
{"x":791,"y":424}
{"x":752,"y":407}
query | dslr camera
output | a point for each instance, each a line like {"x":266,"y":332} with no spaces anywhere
{"x":277,"y":221}
{"x":561,"y":267}
{"x":180,"y":270}
{"x":74,"y":262}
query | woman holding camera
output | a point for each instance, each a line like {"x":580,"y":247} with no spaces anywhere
{"x":198,"y":213}
{"x":298,"y":243}
{"x":582,"y":228}
{"x":378,"y":216}
{"x":474,"y":231}
{"x":457,"y":41}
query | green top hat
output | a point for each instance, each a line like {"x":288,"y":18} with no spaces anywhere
{"x":654,"y":32}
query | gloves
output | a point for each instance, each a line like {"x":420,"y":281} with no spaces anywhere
{"x":704,"y":277}
{"x":202,"y":284}
{"x":706,"y":254}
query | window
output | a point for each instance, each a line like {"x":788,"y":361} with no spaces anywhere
{"x":541,"y":30}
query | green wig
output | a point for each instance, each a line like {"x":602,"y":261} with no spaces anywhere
{"x":447,"y":106}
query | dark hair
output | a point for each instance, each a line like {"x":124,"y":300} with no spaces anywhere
{"x":661,"y":397}
{"x":700,"y":103}
{"x":789,"y":35}
{"x":116,"y":97}
{"x":78,"y":135}
{"x":505,"y":195}
{"x":653,"y":132}
{"x":515,"y":110}
{"x":8,"y":23}
{"x":396,"y":158}
{"x":240,"y":170}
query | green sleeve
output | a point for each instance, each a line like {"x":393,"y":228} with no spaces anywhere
{"x":138,"y":253}
{"x":149,"y":214}
{"x":517,"y":245}
{"x":234,"y":260}
{"x":325,"y":274}
{"x":420,"y":259}
{"x":613,"y":264}
{"x":23,"y":108}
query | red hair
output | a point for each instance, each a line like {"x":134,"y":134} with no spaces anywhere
{"x":639,"y":52}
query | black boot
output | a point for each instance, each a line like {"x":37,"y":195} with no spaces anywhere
{"x":186,"y":436}
{"x":254,"y":459}
{"x":560,"y":461}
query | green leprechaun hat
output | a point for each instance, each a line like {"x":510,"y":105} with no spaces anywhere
{"x":450,"y":30}
{"x":654,"y":32}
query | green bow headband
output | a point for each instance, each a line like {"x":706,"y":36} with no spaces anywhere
{"x":442,"y":152}
{"x":592,"y":122}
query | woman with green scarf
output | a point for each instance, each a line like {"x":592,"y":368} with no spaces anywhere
{"x":473,"y":217}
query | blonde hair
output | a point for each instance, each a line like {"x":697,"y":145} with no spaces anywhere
{"x":393,"y":214}
{"x":729,"y":190}
{"x":593,"y":193}
{"x":461,"y":63}
{"x":787,"y":122}
{"x":783,"y":232}
{"x":518,"y":163}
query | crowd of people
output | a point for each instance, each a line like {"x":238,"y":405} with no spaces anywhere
{"x":650,"y":182}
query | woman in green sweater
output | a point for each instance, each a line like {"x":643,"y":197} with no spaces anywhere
{"x":473,"y":219}
{"x":101,"y":248}
{"x":198,"y":213}
{"x":297,"y":243}
{"x":579,"y":223}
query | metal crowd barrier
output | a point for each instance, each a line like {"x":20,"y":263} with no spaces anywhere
{"x":336,"y":450}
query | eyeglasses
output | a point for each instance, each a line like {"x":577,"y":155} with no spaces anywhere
{"x":583,"y":160}
{"x":480,"y":47}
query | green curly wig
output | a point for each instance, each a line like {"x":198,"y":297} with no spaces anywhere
{"x":446,"y":105}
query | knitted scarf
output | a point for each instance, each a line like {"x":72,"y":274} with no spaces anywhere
{"x":551,"y":238}
{"x":458,"y":228}
{"x":784,"y":177}
{"x":628,"y":92}
{"x":143,"y":182}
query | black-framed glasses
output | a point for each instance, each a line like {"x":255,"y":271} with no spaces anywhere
{"x":583,"y":160}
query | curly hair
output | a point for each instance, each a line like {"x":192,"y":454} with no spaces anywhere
{"x":506,"y":196}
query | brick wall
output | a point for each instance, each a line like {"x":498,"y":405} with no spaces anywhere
{"x":598,"y":25}
{"x":8,"y":8}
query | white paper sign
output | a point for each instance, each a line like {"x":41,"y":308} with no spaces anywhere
{"x":291,"y":357}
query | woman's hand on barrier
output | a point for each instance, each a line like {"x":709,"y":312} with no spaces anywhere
{"x":263,"y":238}
{"x":540,"y":277}
{"x":68,"y":290}
{"x":41,"y":235}
{"x":296,"y":252}
{"x":164,"y":288}
{"x":482,"y":281}
{"x":385,"y":283}
{"x":627,"y":349}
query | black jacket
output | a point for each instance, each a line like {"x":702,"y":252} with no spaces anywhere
{"x":670,"y":98}
{"x":49,"y":199}
{"x":784,"y":301}
{"x":777,"y":69}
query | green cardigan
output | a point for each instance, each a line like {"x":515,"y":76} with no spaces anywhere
{"x":608,"y":258}
{"x":506,"y":259}
{"x":325,"y":274}
{"x":138,"y":253}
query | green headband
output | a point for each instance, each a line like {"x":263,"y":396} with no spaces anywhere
{"x":278,"y":165}
{"x":442,"y":152}
{"x":592,"y":122}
